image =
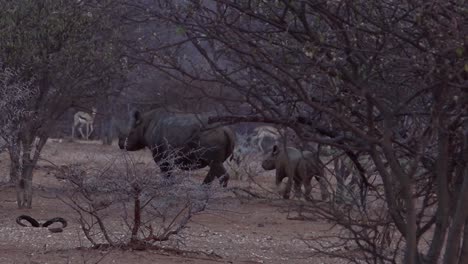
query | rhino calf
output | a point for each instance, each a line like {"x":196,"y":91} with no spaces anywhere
{"x":298,"y":167}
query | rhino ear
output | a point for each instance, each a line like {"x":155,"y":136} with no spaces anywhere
{"x":275,"y":150}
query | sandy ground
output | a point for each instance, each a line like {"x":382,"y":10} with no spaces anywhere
{"x":232,"y":230}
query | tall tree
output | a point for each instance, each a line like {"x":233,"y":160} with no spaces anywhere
{"x":67,"y":52}
{"x":384,"y":78}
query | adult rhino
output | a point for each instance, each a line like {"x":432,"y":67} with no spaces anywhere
{"x":182,"y":140}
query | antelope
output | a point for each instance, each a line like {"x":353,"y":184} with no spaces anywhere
{"x":81,"y":119}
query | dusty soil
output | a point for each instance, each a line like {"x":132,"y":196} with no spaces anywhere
{"x":232,"y":230}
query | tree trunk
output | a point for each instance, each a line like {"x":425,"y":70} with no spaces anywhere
{"x":107,"y":131}
{"x":136,"y":215}
{"x":457,"y":245}
{"x":26,"y":157}
{"x":406,"y":190}
{"x":24,"y":188}
{"x":14,"y":166}
{"x":107,"y":123}
{"x":464,"y":248}
{"x":340,"y":180}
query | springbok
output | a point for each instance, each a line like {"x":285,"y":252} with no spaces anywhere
{"x":81,"y":119}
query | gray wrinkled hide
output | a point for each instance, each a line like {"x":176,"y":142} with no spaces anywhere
{"x":299,"y":167}
{"x":198,"y":144}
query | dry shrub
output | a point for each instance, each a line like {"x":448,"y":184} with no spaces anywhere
{"x":126,"y":204}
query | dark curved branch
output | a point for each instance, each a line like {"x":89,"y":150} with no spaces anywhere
{"x":29,"y":219}
{"x":56,"y":220}
{"x":35,"y":223}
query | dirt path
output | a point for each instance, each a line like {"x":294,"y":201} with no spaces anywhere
{"x":238,"y":231}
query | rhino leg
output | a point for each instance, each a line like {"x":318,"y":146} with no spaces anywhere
{"x":323,"y":187}
{"x":224,"y":178}
{"x":307,"y":190}
{"x":297,"y":189}
{"x":287,"y":189}
{"x":305,"y":178}
{"x":217,"y":170}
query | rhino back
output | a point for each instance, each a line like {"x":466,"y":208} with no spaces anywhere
{"x":293,"y":154}
{"x":188,"y":131}
{"x":170,"y":128}
{"x":173,"y":129}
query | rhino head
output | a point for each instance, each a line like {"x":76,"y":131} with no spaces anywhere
{"x":132,"y":138}
{"x":269,"y":163}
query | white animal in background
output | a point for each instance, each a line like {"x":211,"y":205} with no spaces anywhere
{"x":265,"y":137}
{"x":81,"y":119}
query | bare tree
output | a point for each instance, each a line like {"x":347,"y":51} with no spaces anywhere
{"x":385,"y":79}
{"x":16,"y":94}
{"x":66,"y":59}
{"x":145,"y":216}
